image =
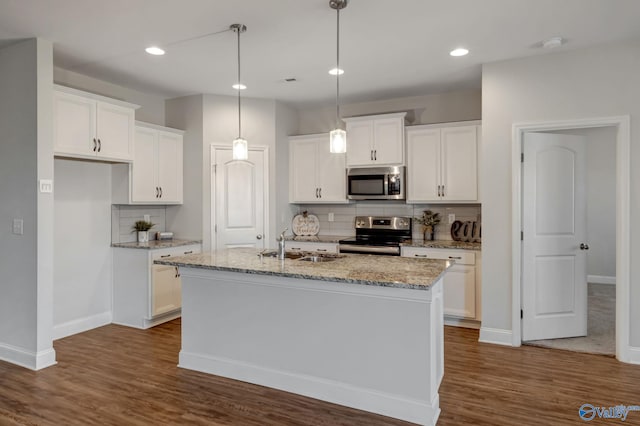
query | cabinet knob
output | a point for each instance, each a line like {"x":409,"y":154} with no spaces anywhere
{"x":584,"y":246}
{"x":259,"y":236}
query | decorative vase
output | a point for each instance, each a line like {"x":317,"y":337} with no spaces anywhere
{"x":143,"y":236}
{"x":429,"y":233}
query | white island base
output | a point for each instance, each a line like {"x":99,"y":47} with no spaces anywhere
{"x":374,"y":348}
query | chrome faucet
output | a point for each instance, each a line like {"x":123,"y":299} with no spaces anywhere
{"x":281,"y":248}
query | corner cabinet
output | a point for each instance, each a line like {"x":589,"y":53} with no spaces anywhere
{"x":156,"y":174}
{"x":315,"y":174}
{"x":145,"y":294}
{"x":92,"y":127}
{"x":375,"y":140}
{"x":462,"y":283}
{"x":442,"y":163}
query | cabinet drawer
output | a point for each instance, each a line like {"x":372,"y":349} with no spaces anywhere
{"x":459,"y":256}
{"x":174,"y":251}
{"x":311,"y":246}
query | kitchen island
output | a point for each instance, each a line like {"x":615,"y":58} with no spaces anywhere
{"x":362,"y":331}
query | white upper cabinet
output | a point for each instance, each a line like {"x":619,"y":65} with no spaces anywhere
{"x":91,"y":126}
{"x":315,"y":174}
{"x":375,"y":140}
{"x":442,"y":163}
{"x":155,"y":175}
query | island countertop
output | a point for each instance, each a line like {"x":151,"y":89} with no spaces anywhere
{"x":155,"y":244}
{"x":385,"y":271}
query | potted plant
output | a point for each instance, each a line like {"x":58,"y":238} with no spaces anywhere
{"x":142,"y":228}
{"x":429,"y":220}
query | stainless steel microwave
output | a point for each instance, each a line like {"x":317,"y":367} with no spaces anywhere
{"x":376,"y":183}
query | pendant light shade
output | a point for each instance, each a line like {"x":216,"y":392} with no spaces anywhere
{"x":338,"y":137}
{"x":240,"y":149}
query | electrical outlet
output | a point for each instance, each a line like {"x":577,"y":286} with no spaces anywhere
{"x":147,"y":218}
{"x":46,"y":186}
{"x":18,"y":226}
{"x":331,"y":217}
{"x":452,"y":218}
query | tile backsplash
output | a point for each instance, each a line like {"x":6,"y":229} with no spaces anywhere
{"x":344,"y":215}
{"x":123,"y":217}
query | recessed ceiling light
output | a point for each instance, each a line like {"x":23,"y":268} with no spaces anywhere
{"x":154,"y":50}
{"x":336,"y":71}
{"x":459,"y":52}
{"x":553,"y":42}
{"x":239,"y":86}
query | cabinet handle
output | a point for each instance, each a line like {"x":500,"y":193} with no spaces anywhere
{"x":443,"y":190}
{"x":95,"y":145}
{"x":157,"y":192}
{"x":420,"y":255}
{"x":371,"y":154}
{"x":188,"y":252}
{"x":160,"y":192}
{"x":295,"y":248}
{"x":165,"y":255}
{"x":177,"y":272}
{"x":320,"y":192}
{"x":375,"y":154}
{"x":99,"y":145}
{"x":455,"y":257}
{"x":321,"y":249}
{"x":439,"y":191}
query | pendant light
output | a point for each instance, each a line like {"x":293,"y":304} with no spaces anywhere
{"x":240,"y":150}
{"x":338,"y":137}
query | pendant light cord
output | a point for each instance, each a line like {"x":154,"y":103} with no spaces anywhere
{"x":239,"y":88}
{"x":338,"y":69}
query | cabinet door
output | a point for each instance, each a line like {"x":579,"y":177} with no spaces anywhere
{"x":332,"y":175}
{"x":388,"y":147}
{"x":74,"y":125}
{"x":460,"y":163}
{"x":143,"y":168}
{"x":460,"y":291}
{"x":423,"y":165}
{"x":115,"y":128}
{"x":360,"y":143}
{"x":166,"y":295}
{"x":169,"y":155}
{"x":303,"y":169}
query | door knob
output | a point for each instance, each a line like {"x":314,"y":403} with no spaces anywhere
{"x":259,"y":236}
{"x":584,"y":246}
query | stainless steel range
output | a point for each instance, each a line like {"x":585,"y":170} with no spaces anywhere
{"x":378,"y":235}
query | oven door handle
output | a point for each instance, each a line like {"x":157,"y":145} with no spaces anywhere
{"x":369,"y":249}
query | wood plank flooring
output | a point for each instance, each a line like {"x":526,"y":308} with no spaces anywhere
{"x":121,"y":376}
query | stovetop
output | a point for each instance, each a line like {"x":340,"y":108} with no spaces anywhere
{"x":375,"y":240}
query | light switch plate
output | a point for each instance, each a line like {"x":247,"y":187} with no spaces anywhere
{"x":18,"y":226}
{"x":46,"y":186}
{"x":331,"y":217}
{"x":147,"y":218}
{"x":452,"y":218}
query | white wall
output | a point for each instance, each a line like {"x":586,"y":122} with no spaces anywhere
{"x":187,"y":113}
{"x":427,"y":109}
{"x":595,"y":82}
{"x":151,"y":106}
{"x":26,"y":155}
{"x":82,"y":260}
{"x":601,"y":199}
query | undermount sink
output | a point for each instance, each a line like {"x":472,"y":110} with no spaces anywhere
{"x":320,"y":258}
{"x":305,"y":256}
{"x":287,"y":255}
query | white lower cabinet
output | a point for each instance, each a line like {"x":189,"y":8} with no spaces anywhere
{"x":461,"y":281}
{"x":145,"y":294}
{"x":311,"y":246}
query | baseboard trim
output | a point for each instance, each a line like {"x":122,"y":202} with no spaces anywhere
{"x":496,"y":336}
{"x":634,"y":355}
{"x":81,"y":325}
{"x":601,"y":279}
{"x":314,"y":387}
{"x":27,"y":359}
{"x":461,"y":322}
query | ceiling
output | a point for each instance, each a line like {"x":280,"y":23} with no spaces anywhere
{"x":388,"y":48}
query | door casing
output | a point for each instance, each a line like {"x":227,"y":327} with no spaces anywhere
{"x":623,"y":213}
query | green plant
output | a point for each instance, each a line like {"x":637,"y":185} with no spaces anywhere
{"x":428,"y":218}
{"x":142,"y":225}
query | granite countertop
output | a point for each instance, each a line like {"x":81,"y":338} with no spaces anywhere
{"x":155,"y":244}
{"x":385,"y":271}
{"x":316,"y":238}
{"x":444,"y":244}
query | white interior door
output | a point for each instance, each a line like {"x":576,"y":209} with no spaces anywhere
{"x":240,"y":191}
{"x":554,"y":274}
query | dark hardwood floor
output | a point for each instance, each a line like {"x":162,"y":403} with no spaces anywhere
{"x":121,"y":376}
